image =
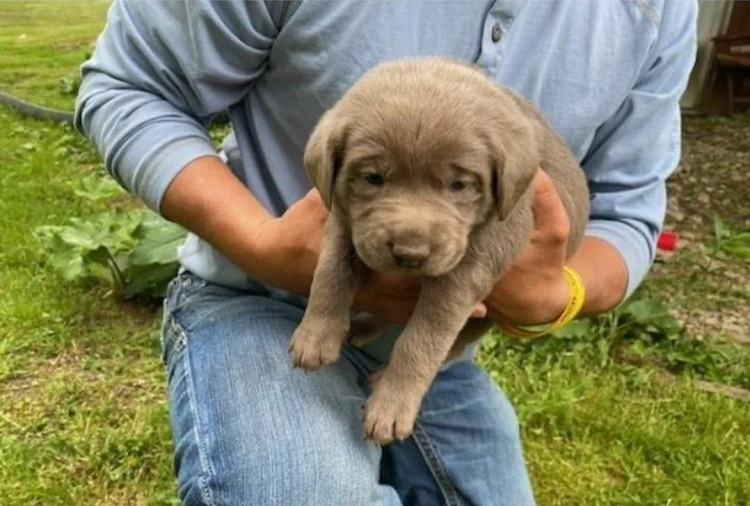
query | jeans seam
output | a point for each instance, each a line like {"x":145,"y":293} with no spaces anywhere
{"x":436,"y":467}
{"x":202,"y":453}
{"x":180,"y":342}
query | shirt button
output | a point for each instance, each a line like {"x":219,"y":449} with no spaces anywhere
{"x":497,"y":32}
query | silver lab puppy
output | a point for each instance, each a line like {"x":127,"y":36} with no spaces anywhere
{"x":425,"y":165}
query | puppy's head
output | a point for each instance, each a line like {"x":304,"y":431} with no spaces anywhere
{"x":419,"y":154}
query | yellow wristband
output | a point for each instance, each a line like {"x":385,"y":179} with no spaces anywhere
{"x":575,"y":303}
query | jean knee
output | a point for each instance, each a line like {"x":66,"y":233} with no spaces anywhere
{"x":247,"y":427}
{"x":464,"y":390}
{"x":473,"y":428}
{"x":305,"y":476}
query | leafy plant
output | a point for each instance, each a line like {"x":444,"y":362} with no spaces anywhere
{"x":730,"y":243}
{"x":134,"y":251}
{"x":639,"y":332}
{"x":95,"y":188}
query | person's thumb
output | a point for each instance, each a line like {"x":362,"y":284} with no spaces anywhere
{"x":551,"y":223}
{"x":313,"y":199}
{"x":310,"y":206}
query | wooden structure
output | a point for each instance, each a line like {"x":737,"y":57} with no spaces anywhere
{"x":733,"y":67}
{"x":723,"y":26}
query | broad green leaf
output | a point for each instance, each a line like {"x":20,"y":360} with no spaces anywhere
{"x":100,"y":256}
{"x":81,"y":236}
{"x":577,"y":328}
{"x":150,"y":280}
{"x":158,"y":244}
{"x":102,"y":273}
{"x":97,"y":187}
{"x":737,"y":251}
{"x":643,"y":311}
{"x":68,"y":263}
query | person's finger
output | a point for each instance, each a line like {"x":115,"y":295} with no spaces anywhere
{"x":480,"y":311}
{"x":398,"y":284}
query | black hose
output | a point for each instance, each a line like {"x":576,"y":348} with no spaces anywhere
{"x":46,"y":113}
{"x":35,"y":111}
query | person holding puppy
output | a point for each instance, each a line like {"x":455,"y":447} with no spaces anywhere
{"x":247,"y":427}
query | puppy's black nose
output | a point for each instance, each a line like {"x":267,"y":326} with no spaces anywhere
{"x":410,"y":256}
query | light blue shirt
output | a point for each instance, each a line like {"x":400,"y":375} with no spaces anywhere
{"x":607,"y":74}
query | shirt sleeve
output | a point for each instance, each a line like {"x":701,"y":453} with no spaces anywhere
{"x":634,"y":152}
{"x":159,"y":72}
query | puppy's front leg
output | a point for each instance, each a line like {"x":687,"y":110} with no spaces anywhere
{"x":324,"y":327}
{"x":443,"y":308}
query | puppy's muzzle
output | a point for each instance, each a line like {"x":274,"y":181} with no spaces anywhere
{"x":410,"y":255}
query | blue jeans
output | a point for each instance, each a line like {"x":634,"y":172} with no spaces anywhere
{"x":249,"y":429}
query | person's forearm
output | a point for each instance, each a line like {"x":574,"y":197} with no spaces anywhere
{"x":533,"y":293}
{"x":207,"y":199}
{"x":604,"y":275}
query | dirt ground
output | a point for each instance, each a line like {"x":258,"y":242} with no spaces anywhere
{"x":708,"y":287}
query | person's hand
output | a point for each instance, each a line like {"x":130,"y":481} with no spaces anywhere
{"x":289,"y":247}
{"x":534,"y":290}
{"x":392,"y":297}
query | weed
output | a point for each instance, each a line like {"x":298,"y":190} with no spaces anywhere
{"x":134,"y":250}
{"x":729,"y":242}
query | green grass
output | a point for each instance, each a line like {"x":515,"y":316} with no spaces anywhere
{"x":42,"y":43}
{"x":601,"y":432}
{"x":83,"y":418}
{"x":82,"y":412}
{"x":611,"y":416}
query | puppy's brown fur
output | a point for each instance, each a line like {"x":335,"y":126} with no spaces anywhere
{"x":426,"y":167}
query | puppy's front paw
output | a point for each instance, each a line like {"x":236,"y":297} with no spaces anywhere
{"x":313,"y":346}
{"x":390,"y":413}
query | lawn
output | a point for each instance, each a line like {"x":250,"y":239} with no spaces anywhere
{"x":645,"y":406}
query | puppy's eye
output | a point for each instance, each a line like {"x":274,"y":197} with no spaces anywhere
{"x":375,"y":179}
{"x":458,"y":185}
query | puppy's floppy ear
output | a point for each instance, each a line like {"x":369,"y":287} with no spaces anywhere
{"x":514,"y":164}
{"x":324,"y":154}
